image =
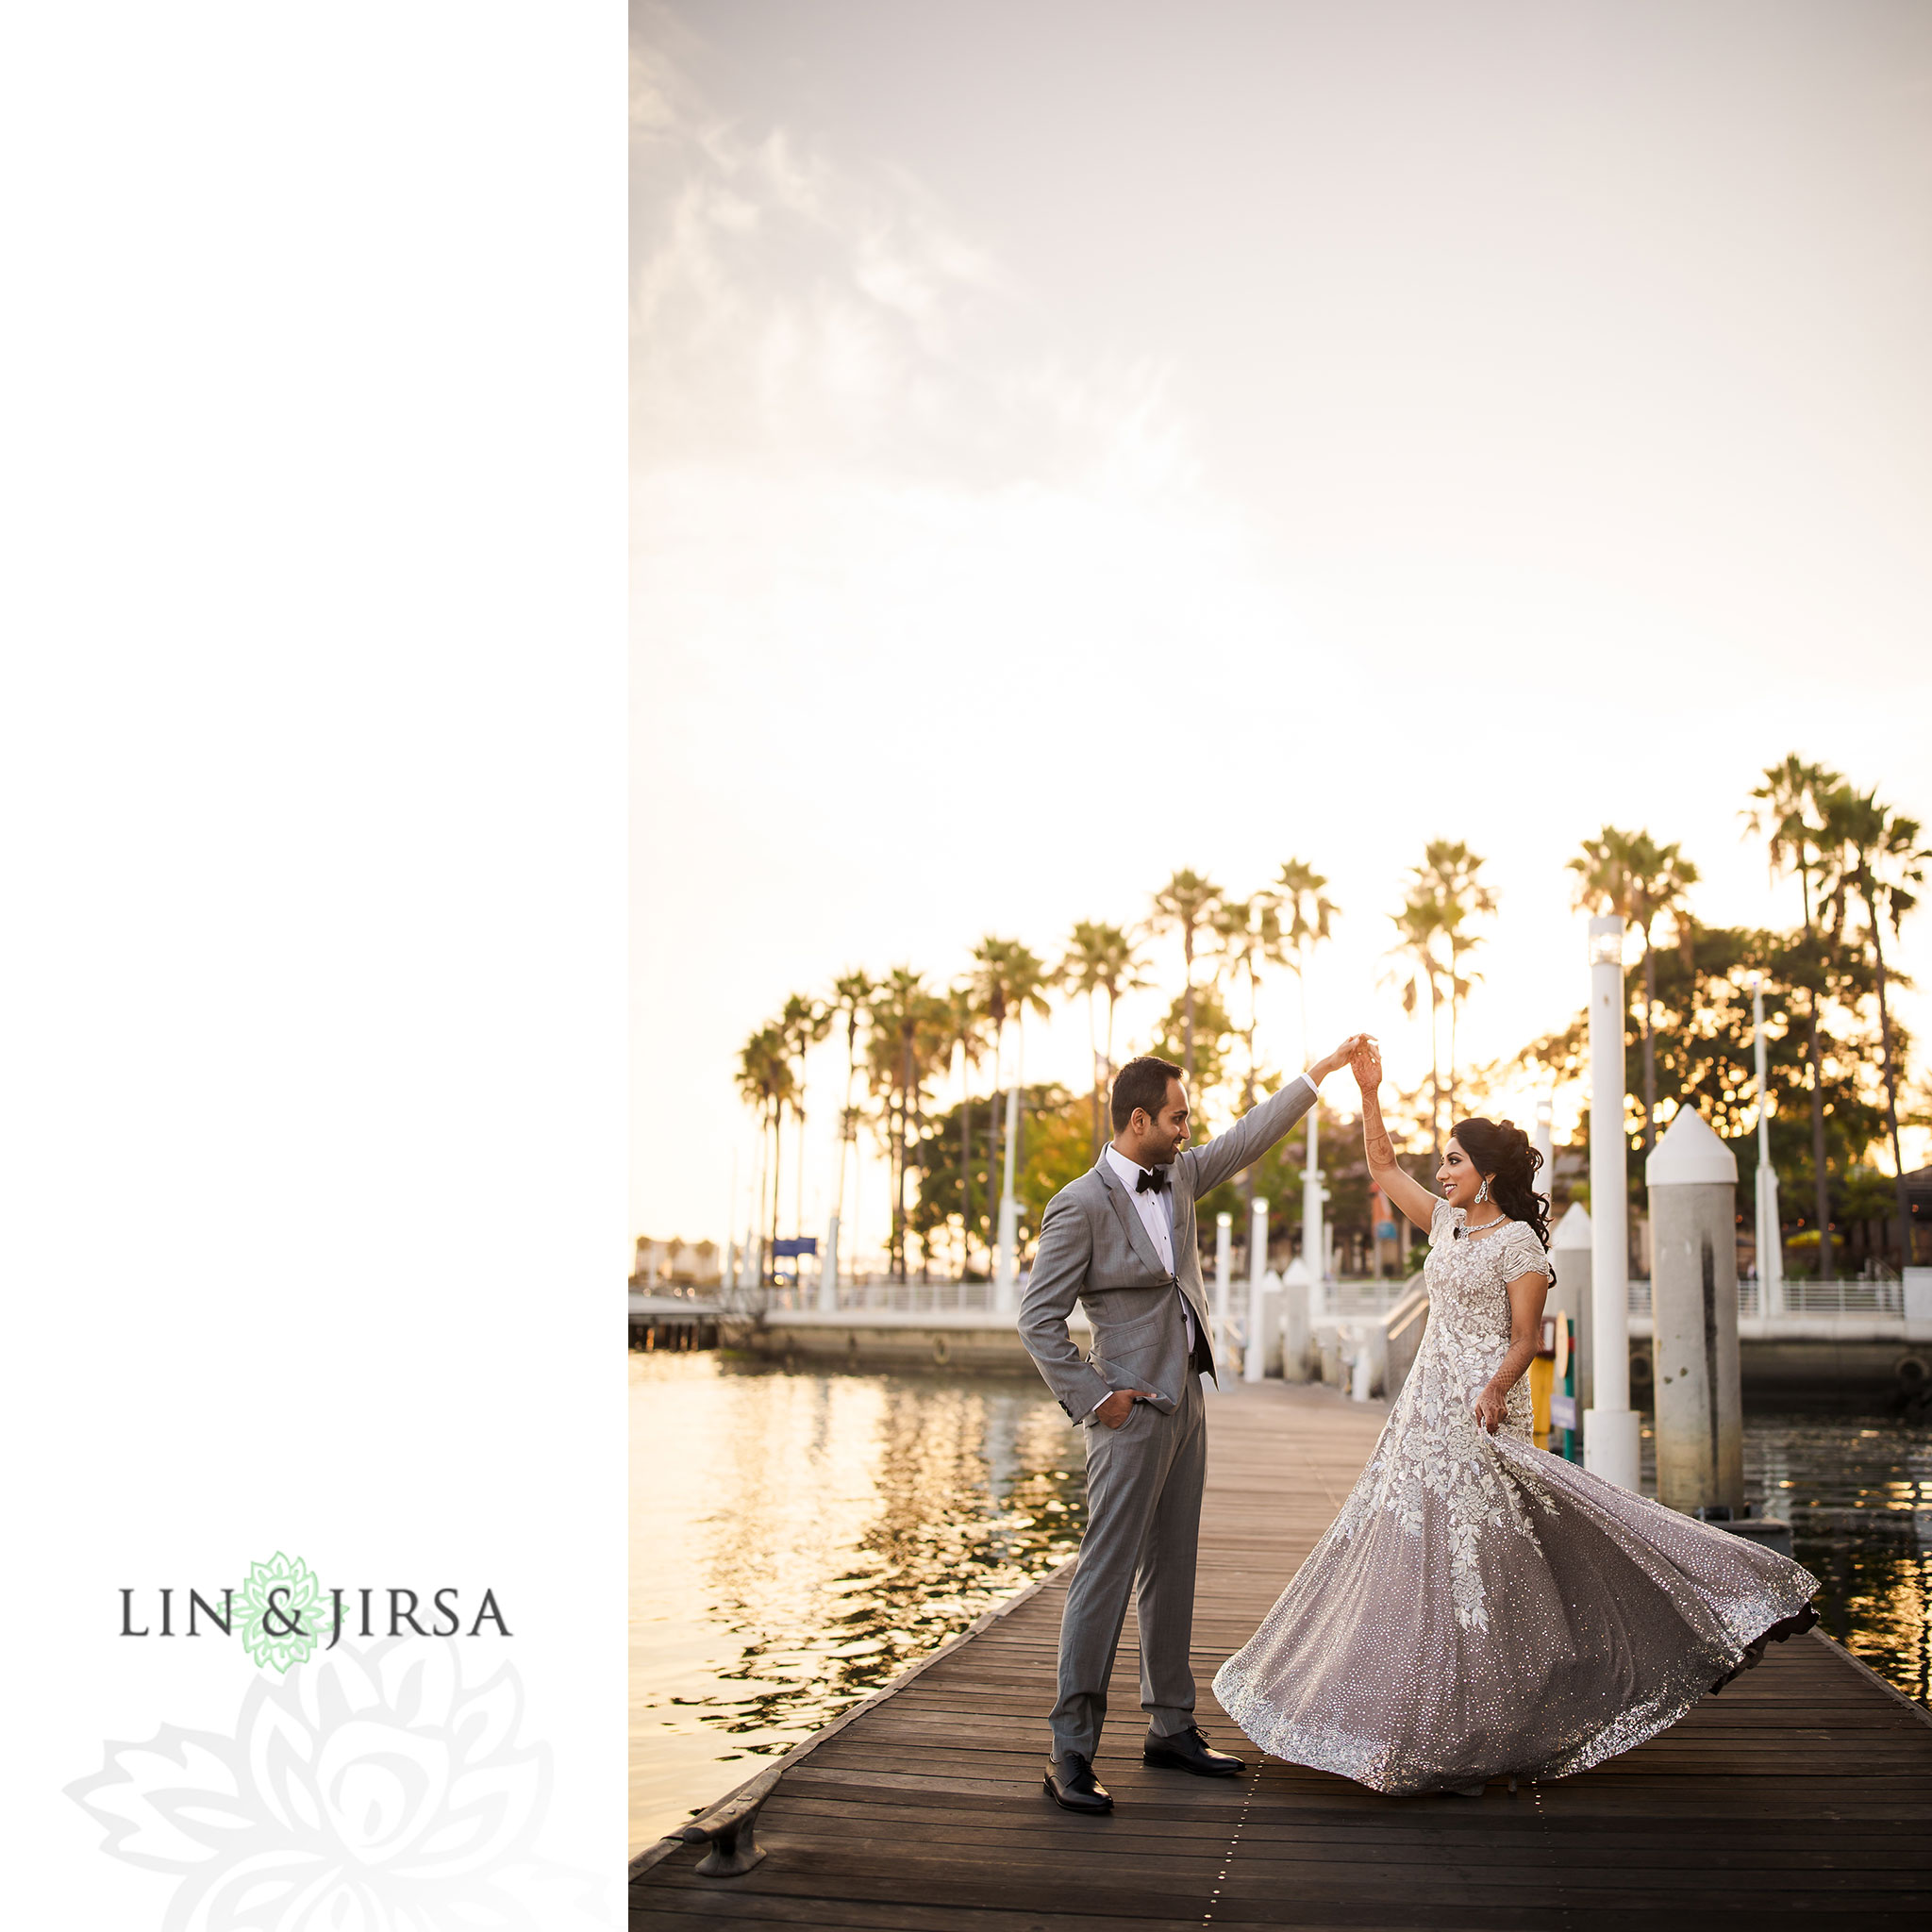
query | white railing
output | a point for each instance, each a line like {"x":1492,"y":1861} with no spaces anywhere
{"x":1839,"y":1296}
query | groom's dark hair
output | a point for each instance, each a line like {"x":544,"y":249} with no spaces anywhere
{"x":1141,"y":1083}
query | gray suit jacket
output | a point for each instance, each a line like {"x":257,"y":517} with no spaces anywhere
{"x":1094,"y":1251}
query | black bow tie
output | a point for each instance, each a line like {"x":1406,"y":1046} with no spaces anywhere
{"x":1152,"y":1180}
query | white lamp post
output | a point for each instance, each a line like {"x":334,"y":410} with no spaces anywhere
{"x":1770,"y":1259}
{"x":1610,"y":1427}
{"x":1006,"y":1270}
{"x":1312,"y":1251}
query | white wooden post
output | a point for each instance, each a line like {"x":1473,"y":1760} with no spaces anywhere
{"x":1692,"y":1177}
{"x":1255,"y":1365}
{"x":1544,"y":1145}
{"x":1610,"y":1427}
{"x":1297,"y":1320}
{"x":1223,"y":1264}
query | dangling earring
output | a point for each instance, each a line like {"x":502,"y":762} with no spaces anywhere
{"x":1482,"y":1194}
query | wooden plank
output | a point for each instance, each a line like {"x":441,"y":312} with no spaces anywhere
{"x":1804,"y":1794}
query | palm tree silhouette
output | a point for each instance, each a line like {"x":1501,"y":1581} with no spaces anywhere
{"x":850,"y":992}
{"x":1450,"y":870}
{"x":1100,"y":959}
{"x":965,"y":1023}
{"x":1182,"y":906}
{"x":1423,"y":921}
{"x":1789,"y":815}
{"x":1009,"y":981}
{"x":800,"y":1025}
{"x":1881,"y":861}
{"x":764,"y":1080}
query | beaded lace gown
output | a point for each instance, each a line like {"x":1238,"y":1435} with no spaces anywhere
{"x":1479,"y":1606}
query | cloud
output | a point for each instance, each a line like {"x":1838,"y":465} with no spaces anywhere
{"x":795,"y":309}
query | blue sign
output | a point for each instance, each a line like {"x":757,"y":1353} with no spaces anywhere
{"x":806,"y":1244}
{"x":1385,"y":1230}
{"x":1562,"y":1412}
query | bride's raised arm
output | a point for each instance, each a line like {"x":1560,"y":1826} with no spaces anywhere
{"x":1406,"y":1192}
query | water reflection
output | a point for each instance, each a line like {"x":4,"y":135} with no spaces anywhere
{"x":1857,"y":1490}
{"x":797,"y":1540}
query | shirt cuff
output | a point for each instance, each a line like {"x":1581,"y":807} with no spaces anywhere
{"x":1314,"y":1086}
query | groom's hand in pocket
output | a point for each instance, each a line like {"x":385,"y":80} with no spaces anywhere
{"x":1120,"y":1406}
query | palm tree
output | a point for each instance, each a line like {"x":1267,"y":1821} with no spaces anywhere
{"x":1182,"y":906}
{"x":1100,"y":959}
{"x":802,"y":1024}
{"x":1789,"y":815}
{"x":1248,"y":936}
{"x":965,"y":1023}
{"x":1009,"y":980}
{"x":1629,"y":874}
{"x":764,"y":1080}
{"x":1450,"y":873}
{"x":1311,"y":913}
{"x":1883,"y":860}
{"x":850,"y":993}
{"x":911,"y":1025}
{"x":1421,"y":922}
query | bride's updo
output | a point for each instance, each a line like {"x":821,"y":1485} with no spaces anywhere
{"x":1501,"y":1149}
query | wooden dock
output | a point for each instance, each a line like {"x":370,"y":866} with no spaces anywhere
{"x":1801,"y":1796}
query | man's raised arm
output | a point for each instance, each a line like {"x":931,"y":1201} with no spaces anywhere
{"x":1059,"y":1268}
{"x":1259,"y":1129}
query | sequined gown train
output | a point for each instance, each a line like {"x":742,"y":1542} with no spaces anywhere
{"x":1479,"y":1606}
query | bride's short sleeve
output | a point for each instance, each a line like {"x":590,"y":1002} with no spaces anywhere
{"x":1442,"y":1223}
{"x":1522,"y":1254}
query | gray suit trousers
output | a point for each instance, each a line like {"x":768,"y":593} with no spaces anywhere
{"x":1143,"y":1523}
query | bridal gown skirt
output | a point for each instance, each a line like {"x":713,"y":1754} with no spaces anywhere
{"x":1480,"y":1608}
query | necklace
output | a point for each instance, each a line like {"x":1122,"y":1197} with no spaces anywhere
{"x":1488,"y":1228}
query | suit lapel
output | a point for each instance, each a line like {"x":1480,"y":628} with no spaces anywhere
{"x":1129,"y":1216}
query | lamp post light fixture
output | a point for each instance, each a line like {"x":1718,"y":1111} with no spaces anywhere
{"x":1771,"y":1260}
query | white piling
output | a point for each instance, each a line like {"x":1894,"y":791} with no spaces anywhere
{"x":1610,"y":1427}
{"x":1692,"y":1177}
{"x":1297,"y":1320}
{"x":1255,"y":1365}
{"x":1224,"y":1267}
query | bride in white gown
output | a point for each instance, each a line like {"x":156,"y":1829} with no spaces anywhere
{"x":1478,"y":1606}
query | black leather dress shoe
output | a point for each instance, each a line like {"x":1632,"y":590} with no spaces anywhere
{"x":1071,"y":1784}
{"x":1188,"y":1750}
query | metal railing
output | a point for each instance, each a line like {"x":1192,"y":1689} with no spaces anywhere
{"x":1839,"y":1296}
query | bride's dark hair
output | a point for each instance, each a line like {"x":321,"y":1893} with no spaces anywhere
{"x":1501,"y":1149}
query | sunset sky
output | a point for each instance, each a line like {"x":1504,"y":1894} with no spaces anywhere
{"x":1072,"y":441}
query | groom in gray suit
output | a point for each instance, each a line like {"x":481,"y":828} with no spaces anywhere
{"x":1120,"y":1240}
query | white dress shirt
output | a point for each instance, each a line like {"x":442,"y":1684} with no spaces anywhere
{"x":1155,"y":1210}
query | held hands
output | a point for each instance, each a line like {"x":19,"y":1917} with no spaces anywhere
{"x":1365,"y":1062}
{"x":1343,"y":1055}
{"x":1120,"y":1406}
{"x":1489,"y":1406}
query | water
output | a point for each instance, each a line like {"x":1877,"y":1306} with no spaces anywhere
{"x":1858,"y":1492}
{"x":798,"y":1538}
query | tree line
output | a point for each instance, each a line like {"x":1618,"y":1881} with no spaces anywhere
{"x":1837,"y":1052}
